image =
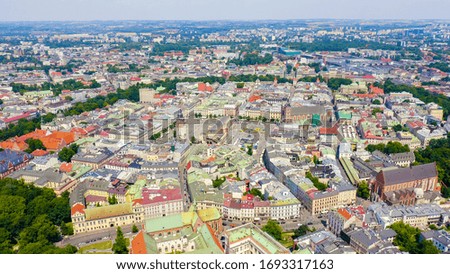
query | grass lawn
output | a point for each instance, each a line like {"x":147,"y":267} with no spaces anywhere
{"x":286,"y":240}
{"x":98,"y":246}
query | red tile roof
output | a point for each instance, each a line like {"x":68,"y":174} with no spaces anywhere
{"x":79,"y":130}
{"x":328,"y":131}
{"x":66,"y":167}
{"x":16,"y":118}
{"x":39,"y":152}
{"x":344,"y":213}
{"x":138,"y":244}
{"x":69,"y":137}
{"x":78,"y":207}
{"x":151,"y":196}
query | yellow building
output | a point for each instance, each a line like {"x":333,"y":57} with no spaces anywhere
{"x":98,"y":218}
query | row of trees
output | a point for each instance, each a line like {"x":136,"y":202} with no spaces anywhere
{"x":70,"y":84}
{"x":253,"y":78}
{"x":252,"y":59}
{"x":442,"y":66}
{"x":23,"y":126}
{"x":389,"y":148}
{"x":419,"y":93}
{"x":32,"y":219}
{"x":131,"y":68}
{"x":327,"y":44}
{"x":335,"y":83}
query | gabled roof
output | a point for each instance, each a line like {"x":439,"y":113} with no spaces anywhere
{"x":39,"y":152}
{"x":138,"y":245}
{"x":344,"y":213}
{"x":401,"y":175}
{"x":77,"y":208}
{"x":108,"y":211}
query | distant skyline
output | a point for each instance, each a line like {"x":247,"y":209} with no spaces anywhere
{"x":87,"y":10}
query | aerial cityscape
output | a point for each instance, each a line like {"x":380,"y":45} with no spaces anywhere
{"x":314,"y":136}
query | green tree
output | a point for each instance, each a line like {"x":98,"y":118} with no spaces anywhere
{"x":218,"y":182}
{"x":29,"y":217}
{"x":256,"y":192}
{"x":41,"y":230}
{"x":12,"y":213}
{"x":438,"y":151}
{"x":250,"y":150}
{"x":120,"y":246}
{"x":363,"y":190}
{"x":320,"y":186}
{"x":408,"y":239}
{"x":274,"y":229}
{"x":301,"y":231}
{"x":335,"y":83}
{"x":66,"y":228}
{"x":376,"y":102}
{"x":5,"y":242}
{"x":66,"y":154}
{"x":34,"y":144}
{"x":376,"y":110}
{"x":112,"y":200}
{"x":389,"y":148}
{"x":397,"y":128}
{"x":134,"y":229}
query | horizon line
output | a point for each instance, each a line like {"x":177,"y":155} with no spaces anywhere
{"x":230,"y":20}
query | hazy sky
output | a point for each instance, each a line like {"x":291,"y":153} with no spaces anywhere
{"x":36,"y":10}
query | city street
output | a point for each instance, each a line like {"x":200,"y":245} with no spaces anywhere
{"x":90,"y":237}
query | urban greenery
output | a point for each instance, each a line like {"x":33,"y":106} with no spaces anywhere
{"x":66,"y":154}
{"x":120,"y":244}
{"x":389,"y":148}
{"x":419,"y":93}
{"x":274,"y":229}
{"x":408,"y":239}
{"x":320,"y":186}
{"x":335,"y":83}
{"x":363,"y":190}
{"x":438,"y":151}
{"x":29,"y":218}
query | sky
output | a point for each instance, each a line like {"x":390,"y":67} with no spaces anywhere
{"x":86,"y":10}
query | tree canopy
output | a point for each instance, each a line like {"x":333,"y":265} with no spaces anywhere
{"x":438,"y":151}
{"x":218,"y":182}
{"x":419,"y":93}
{"x":335,"y":83}
{"x":120,"y":245}
{"x":252,"y":59}
{"x":389,"y":148}
{"x":66,"y":154}
{"x":363,"y":190}
{"x":34,"y":144}
{"x":408,"y":239}
{"x":320,"y":186}
{"x":273,"y":229}
{"x":29,"y":218}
